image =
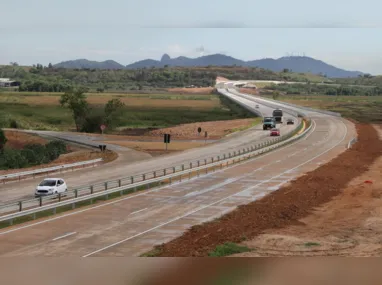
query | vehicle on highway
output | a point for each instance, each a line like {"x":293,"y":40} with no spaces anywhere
{"x":50,"y":186}
{"x":269,"y":123}
{"x":290,"y":121}
{"x":257,"y":107}
{"x":278,"y":115}
{"x":275,"y":132}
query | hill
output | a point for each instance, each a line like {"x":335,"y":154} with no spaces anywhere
{"x":297,"y":64}
{"x":300,"y":64}
{"x":84,"y":63}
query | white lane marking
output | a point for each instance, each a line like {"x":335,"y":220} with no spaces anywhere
{"x":64,"y":236}
{"x":227,"y":181}
{"x":209,"y":205}
{"x":154,"y":190}
{"x":136,"y":212}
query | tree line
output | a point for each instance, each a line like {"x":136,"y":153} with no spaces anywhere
{"x":50,"y":79}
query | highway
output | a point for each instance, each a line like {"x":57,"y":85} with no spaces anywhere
{"x":131,"y":162}
{"x":133,"y":224}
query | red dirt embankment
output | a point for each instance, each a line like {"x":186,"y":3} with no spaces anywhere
{"x":285,"y":206}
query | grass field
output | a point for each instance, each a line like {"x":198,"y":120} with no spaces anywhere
{"x":360,"y":108}
{"x":42,"y":110}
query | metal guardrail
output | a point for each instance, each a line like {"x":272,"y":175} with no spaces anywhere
{"x":14,"y":210}
{"x":14,"y":176}
{"x":351,"y":142}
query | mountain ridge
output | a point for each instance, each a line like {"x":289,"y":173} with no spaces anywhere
{"x":300,"y":64}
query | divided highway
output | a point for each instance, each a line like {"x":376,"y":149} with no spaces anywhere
{"x":126,"y":165}
{"x":133,"y":224}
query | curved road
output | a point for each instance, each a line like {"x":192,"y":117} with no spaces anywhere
{"x":132,"y":225}
{"x":127,"y":165}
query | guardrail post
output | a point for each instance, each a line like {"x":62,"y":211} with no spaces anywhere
{"x":40,"y":202}
{"x":59,"y":197}
{"x":11,"y":222}
{"x":224,"y":156}
{"x":190,"y":165}
{"x":198,"y":163}
{"x":218,"y":157}
{"x":76,"y":193}
{"x":205,"y":162}
{"x":119,"y":183}
{"x":173,"y":170}
{"x":155,"y":174}
{"x":144,"y":177}
{"x":20,"y":206}
{"x":165,"y":172}
{"x":105,"y":185}
{"x":91,"y":189}
{"x":132,"y":179}
{"x":182,"y":167}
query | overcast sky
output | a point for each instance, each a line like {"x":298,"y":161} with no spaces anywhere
{"x":345,"y":33}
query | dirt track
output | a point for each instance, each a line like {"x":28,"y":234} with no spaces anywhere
{"x":286,"y":206}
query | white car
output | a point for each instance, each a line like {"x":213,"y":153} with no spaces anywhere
{"x":51,"y":186}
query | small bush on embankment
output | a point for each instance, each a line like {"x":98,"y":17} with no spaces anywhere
{"x":31,"y":155}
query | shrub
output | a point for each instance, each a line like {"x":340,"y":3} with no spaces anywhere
{"x":3,"y":140}
{"x":12,"y":159}
{"x":13,"y":124}
{"x":32,"y":154}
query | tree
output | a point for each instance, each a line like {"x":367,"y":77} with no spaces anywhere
{"x":50,"y":66}
{"x":112,"y":111}
{"x":75,"y":101}
{"x":3,"y":140}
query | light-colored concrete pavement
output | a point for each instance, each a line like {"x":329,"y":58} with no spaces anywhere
{"x":133,"y":224}
{"x":131,"y":162}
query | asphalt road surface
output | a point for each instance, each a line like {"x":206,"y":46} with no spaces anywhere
{"x":133,"y":224}
{"x":131,"y":162}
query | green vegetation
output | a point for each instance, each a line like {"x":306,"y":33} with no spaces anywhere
{"x":3,"y":140}
{"x":43,"y":112}
{"x":310,"y":244}
{"x":50,"y":79}
{"x":228,"y":249}
{"x":326,"y":89}
{"x":366,"y":109}
{"x":31,"y":155}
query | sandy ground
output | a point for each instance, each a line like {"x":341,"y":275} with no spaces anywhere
{"x":349,"y":225}
{"x":219,"y":78}
{"x":201,"y":90}
{"x":252,"y":91}
{"x":183,"y":137}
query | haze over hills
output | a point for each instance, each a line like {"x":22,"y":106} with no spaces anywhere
{"x":294,"y":63}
